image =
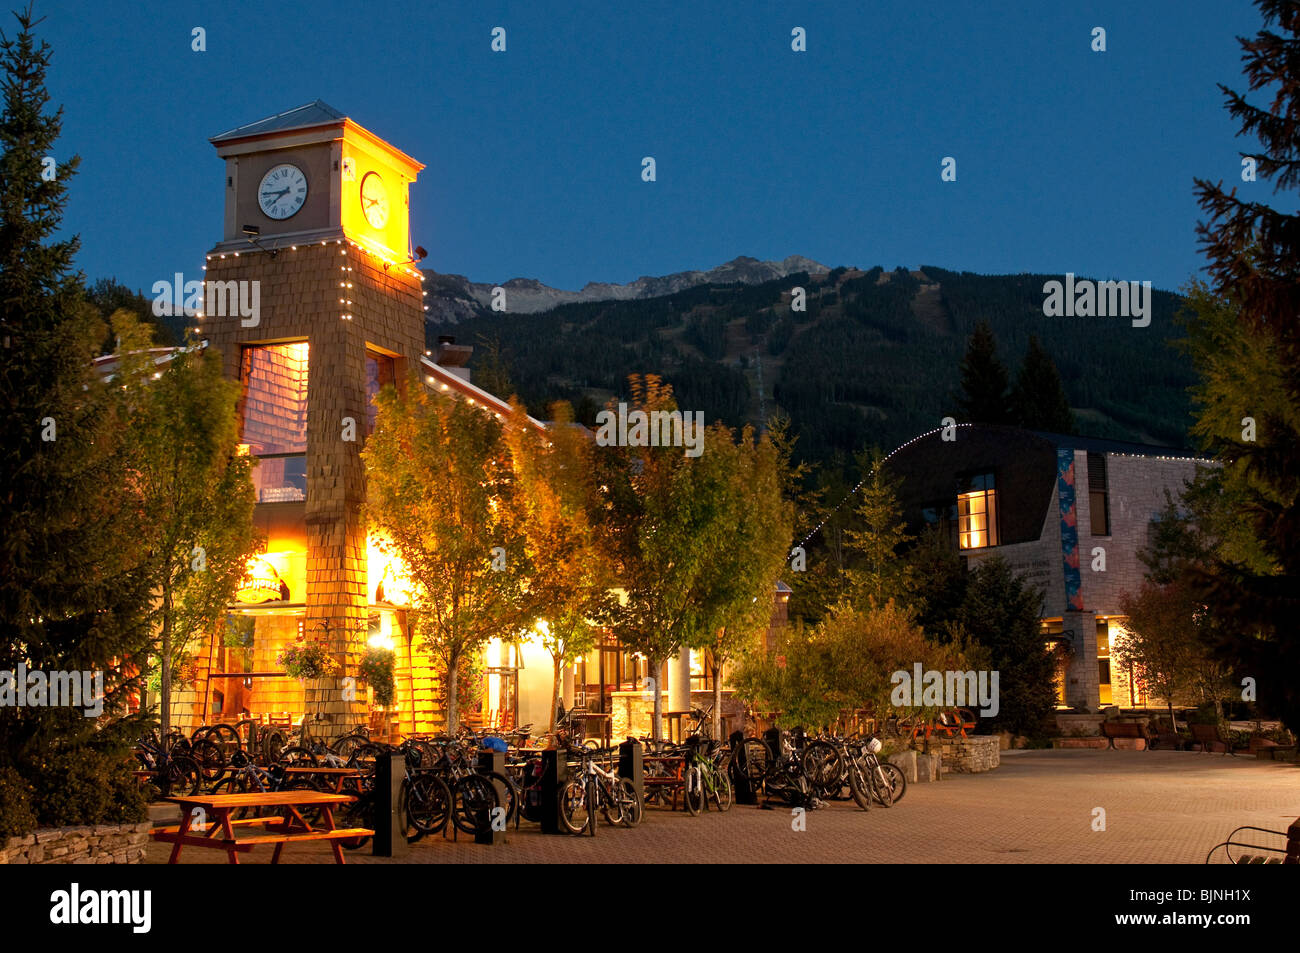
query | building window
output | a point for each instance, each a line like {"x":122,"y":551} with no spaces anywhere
{"x":273,"y":419}
{"x":380,"y":372}
{"x":1098,"y":494}
{"x":977,"y":513}
{"x":1105,"y":690}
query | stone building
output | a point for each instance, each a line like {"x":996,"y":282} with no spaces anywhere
{"x":1070,"y":514}
{"x":312,"y":297}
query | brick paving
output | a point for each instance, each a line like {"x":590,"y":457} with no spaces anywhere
{"x":1038,"y":807}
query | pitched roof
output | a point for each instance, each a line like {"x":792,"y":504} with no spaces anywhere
{"x":316,"y":113}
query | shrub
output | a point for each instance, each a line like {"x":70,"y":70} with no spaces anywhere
{"x":16,"y":817}
{"x":84,"y":785}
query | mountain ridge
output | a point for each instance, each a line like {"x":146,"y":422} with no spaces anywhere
{"x":453,"y":298}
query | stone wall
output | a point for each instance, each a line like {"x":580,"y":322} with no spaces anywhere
{"x":100,"y":844}
{"x":971,"y":755}
{"x":633,"y":712}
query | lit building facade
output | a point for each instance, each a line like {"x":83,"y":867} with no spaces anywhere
{"x":1070,"y":514}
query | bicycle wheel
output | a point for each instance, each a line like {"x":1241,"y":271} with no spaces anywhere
{"x":574,"y":806}
{"x":721,"y":793}
{"x":345,"y":747}
{"x":822,"y":765}
{"x":181,"y":776}
{"x":859,"y":786}
{"x":895,"y":780}
{"x":512,"y":794}
{"x":882,"y":790}
{"x":209,"y":757}
{"x":611,"y":804}
{"x":225,"y":736}
{"x":693,"y":790}
{"x":753,"y":759}
{"x":428,"y":803}
{"x":633,"y":807}
{"x":359,"y":813}
{"x":472,"y":795}
{"x":273,"y":745}
{"x":298,"y":757}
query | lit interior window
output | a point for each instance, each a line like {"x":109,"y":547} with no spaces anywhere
{"x":977,"y":514}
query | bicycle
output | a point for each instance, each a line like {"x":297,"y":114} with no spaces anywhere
{"x":173,"y":770}
{"x":706,"y":779}
{"x":597,"y":789}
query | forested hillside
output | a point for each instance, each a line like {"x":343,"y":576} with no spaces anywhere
{"x":873,"y":360}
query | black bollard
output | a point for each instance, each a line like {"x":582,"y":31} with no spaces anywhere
{"x":489,"y":829}
{"x":554,"y":775}
{"x":630,"y":765}
{"x":742,"y":790}
{"x":387,"y":820}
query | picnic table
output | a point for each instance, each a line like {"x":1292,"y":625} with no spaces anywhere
{"x":663,"y":775}
{"x":285,"y":827}
{"x":339,"y":776}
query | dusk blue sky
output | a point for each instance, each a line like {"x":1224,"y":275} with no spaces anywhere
{"x":1068,"y":160}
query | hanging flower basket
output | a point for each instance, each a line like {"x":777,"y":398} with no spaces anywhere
{"x":376,"y":669}
{"x":307,"y":660}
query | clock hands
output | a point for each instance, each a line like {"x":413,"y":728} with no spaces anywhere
{"x":276,"y":194}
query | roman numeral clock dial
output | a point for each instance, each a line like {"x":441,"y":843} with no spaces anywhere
{"x":282,"y":192}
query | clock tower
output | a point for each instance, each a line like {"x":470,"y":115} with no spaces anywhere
{"x":316,"y":238}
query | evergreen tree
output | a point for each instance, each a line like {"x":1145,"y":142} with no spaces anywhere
{"x":1001,"y":612}
{"x":1254,"y":264}
{"x":984,"y":380}
{"x":879,"y":572}
{"x":73,"y":596}
{"x":1038,"y":401}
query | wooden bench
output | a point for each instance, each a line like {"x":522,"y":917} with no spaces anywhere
{"x":1126,"y":729}
{"x":1210,"y":738}
{"x":290,"y":826}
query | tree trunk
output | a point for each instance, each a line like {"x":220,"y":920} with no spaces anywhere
{"x":453,"y":689}
{"x":557,"y":687}
{"x":716,"y":667}
{"x":656,"y":725}
{"x":166,"y":683}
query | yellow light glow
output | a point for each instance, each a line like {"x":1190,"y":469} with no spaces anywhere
{"x":261,"y":583}
{"x":389,"y":579}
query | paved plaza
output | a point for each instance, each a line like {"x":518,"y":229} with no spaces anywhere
{"x":1038,"y":807}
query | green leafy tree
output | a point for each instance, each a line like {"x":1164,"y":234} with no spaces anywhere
{"x":442,"y":488}
{"x":1164,"y":637}
{"x":984,"y":398}
{"x":737,"y":588}
{"x":662,"y":521}
{"x":1253,"y":252}
{"x":1038,"y":400}
{"x":194,"y":489}
{"x":73,"y":593}
{"x":567,"y":581}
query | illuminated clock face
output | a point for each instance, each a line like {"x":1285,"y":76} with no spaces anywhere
{"x":282,"y":192}
{"x":374,"y":200}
